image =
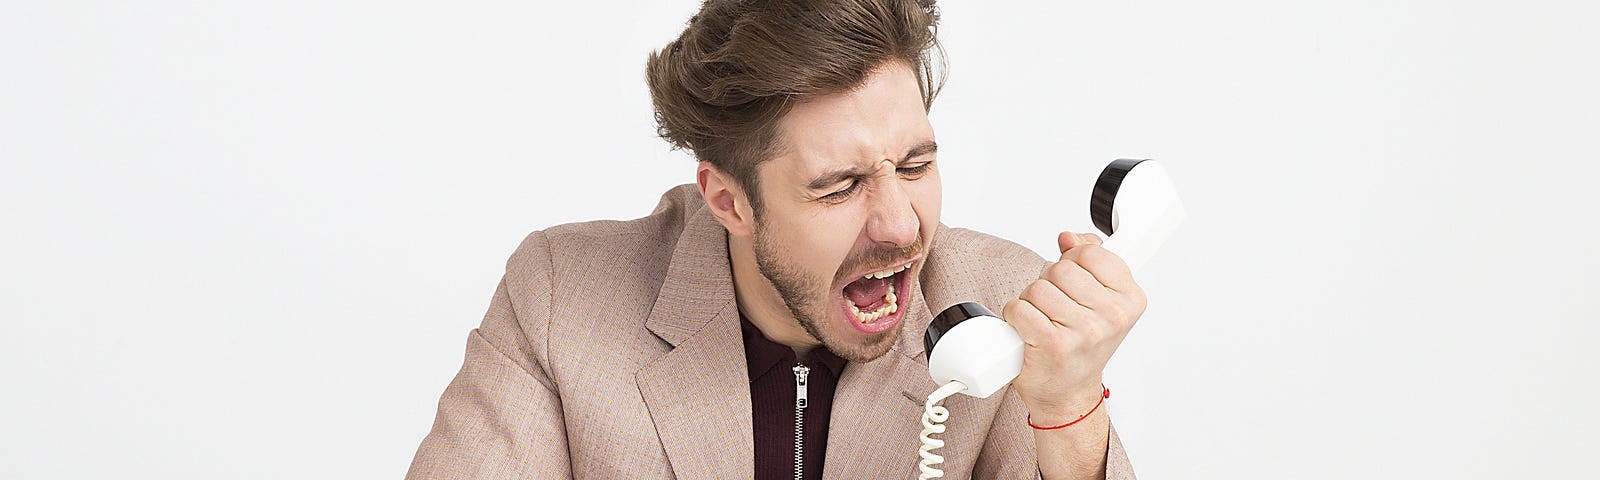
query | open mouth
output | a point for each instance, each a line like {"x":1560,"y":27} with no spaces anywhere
{"x":876,"y":301}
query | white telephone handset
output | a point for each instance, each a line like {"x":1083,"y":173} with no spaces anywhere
{"x":972,"y":351}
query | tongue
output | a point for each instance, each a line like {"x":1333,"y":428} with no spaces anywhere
{"x":867,"y":293}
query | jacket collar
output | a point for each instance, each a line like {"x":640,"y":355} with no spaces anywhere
{"x":698,"y":286}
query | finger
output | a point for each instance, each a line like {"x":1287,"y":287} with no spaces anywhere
{"x":1069,"y":240}
{"x":1127,"y":299}
{"x":1056,"y":305}
{"x":1107,"y":268}
{"x":1079,"y":284}
{"x":1032,"y":325}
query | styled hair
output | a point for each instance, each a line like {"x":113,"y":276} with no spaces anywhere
{"x":720,"y":88}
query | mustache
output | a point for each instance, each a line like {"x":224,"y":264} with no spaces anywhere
{"x":879,"y":257}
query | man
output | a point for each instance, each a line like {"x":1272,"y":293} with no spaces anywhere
{"x":767,"y":320}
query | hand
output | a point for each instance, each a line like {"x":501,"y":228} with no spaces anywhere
{"x":1071,"y":320}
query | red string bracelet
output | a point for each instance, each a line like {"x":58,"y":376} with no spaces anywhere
{"x":1104,"y":394}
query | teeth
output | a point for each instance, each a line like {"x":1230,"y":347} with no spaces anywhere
{"x":890,"y":306}
{"x":885,"y":273}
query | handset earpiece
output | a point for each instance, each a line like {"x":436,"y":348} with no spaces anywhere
{"x":1135,"y":204}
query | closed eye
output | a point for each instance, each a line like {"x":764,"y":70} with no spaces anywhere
{"x":915,"y":170}
{"x":844,"y":193}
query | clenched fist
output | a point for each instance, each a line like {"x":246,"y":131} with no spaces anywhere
{"x":1071,"y":320}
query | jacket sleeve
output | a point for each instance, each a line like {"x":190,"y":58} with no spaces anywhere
{"x":1010,"y":439}
{"x":501,"y":415}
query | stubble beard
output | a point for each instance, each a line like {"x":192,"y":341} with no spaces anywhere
{"x":812,"y":303}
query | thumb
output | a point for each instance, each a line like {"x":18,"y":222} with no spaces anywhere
{"x":1069,"y":240}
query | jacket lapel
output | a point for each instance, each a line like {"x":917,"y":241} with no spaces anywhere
{"x":699,"y":392}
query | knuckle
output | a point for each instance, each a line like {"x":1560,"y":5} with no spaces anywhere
{"x":1074,"y":254}
{"x":1039,"y":290}
{"x":1137,"y":296}
{"x":1059,"y":271}
{"x":1098,"y":257}
{"x":1012,"y":309}
{"x":1116,"y":314}
{"x":1091,"y":332}
{"x":1075,"y":271}
{"x":1020,"y":309}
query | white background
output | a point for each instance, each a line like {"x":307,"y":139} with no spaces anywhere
{"x":247,"y":240}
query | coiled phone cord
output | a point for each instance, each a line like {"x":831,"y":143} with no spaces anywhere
{"x":932,"y":415}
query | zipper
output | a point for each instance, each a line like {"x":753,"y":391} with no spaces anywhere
{"x":800,"y":374}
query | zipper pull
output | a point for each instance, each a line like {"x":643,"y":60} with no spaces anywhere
{"x":800,"y":374}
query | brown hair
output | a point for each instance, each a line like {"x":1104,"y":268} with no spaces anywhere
{"x":720,"y":88}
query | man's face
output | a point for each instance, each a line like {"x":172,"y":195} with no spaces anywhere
{"x":853,"y":196}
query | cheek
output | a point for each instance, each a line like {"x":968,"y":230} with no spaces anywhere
{"x":927,"y":198}
{"x":820,"y":246}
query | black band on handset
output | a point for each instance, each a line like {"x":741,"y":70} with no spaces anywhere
{"x":948,"y":319}
{"x":1105,"y":192}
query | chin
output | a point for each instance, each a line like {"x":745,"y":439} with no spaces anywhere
{"x":859,"y":348}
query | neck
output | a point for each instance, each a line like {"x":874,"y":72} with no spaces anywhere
{"x":759,"y":301}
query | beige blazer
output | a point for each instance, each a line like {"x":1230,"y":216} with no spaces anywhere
{"x":612,"y":350}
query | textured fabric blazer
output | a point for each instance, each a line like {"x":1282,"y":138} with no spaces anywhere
{"x":612,"y":350}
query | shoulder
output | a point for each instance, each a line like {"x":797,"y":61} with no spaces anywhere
{"x":569,"y":265}
{"x":641,"y":246}
{"x":967,"y":265}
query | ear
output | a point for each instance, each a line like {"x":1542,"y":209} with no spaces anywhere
{"x":726,"y":200}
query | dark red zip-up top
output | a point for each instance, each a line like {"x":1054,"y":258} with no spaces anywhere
{"x":772,"y":400}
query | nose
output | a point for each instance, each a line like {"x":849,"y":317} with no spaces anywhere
{"x":894,"y":221}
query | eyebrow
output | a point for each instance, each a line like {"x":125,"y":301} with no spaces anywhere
{"x":921,"y":149}
{"x":835,"y":176}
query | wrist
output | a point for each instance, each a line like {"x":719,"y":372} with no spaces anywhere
{"x":1068,"y":410}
